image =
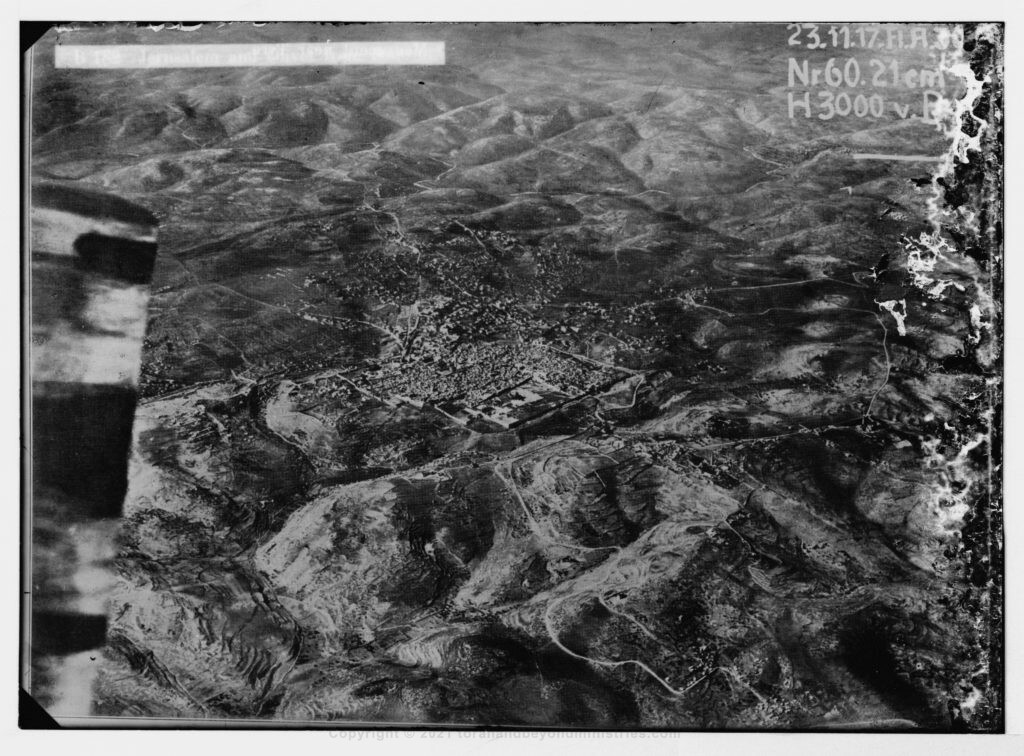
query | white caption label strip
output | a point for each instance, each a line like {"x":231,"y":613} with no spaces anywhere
{"x":275,"y":54}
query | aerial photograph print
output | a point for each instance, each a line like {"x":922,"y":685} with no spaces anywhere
{"x":577,"y":376}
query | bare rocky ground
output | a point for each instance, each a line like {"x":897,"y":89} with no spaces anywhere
{"x":548,"y":387}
